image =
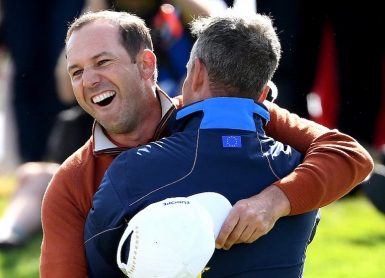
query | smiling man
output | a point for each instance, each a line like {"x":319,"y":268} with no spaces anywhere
{"x":113,"y":74}
{"x":105,"y":82}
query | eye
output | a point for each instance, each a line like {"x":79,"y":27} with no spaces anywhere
{"x":102,"y":62}
{"x":76,"y":73}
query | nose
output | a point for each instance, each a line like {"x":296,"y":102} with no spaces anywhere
{"x":90,"y":78}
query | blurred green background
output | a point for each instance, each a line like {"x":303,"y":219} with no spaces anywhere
{"x":350,"y":242}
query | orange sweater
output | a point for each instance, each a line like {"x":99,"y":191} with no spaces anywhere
{"x":334,"y":163}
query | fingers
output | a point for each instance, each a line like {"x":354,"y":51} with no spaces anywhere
{"x":249,"y":235}
{"x":247,"y":232}
{"x":236,"y":227}
{"x":227,"y":228}
{"x":246,"y":222}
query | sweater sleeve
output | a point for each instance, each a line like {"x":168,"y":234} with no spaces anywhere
{"x":62,"y":253}
{"x":334,"y":163}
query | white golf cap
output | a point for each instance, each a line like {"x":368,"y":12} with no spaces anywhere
{"x":173,"y":238}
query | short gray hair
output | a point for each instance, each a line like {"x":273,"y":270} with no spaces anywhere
{"x":240,"y":52}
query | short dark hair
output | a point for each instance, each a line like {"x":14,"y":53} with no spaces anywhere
{"x":135,"y":35}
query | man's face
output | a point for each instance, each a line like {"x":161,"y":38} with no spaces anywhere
{"x":106,"y":82}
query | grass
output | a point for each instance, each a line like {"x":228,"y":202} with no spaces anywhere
{"x":21,"y":263}
{"x":350,"y":243}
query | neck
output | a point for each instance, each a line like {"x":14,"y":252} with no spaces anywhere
{"x":145,"y":128}
{"x":140,"y":136}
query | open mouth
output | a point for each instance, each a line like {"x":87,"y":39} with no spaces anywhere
{"x":104,"y":99}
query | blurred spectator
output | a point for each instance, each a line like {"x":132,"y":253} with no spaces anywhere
{"x":344,"y":41}
{"x":33,"y":33}
{"x":344,"y":60}
{"x":22,"y":216}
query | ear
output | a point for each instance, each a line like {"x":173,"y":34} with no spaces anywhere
{"x":199,"y":76}
{"x":264,"y":93}
{"x":148,"y":64}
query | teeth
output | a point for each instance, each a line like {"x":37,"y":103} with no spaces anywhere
{"x":101,"y":97}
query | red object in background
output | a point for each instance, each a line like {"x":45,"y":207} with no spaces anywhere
{"x":168,"y":21}
{"x":379,"y":133}
{"x":326,"y":89}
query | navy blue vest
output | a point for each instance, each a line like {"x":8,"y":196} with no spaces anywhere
{"x":218,"y":145}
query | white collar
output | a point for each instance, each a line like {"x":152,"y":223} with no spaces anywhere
{"x":103,"y":143}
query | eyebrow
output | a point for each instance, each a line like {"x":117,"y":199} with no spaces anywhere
{"x":92,"y":58}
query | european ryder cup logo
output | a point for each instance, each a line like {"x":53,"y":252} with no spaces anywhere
{"x":231,"y":141}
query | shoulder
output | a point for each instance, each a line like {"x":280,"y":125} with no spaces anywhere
{"x":280,"y":157}
{"x":156,"y":163}
{"x":64,"y":186}
{"x":168,"y":149}
{"x":75,"y":163}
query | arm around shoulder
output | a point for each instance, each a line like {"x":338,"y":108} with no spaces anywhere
{"x":334,"y":163}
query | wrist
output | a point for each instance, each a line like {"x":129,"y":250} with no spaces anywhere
{"x":277,"y":200}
